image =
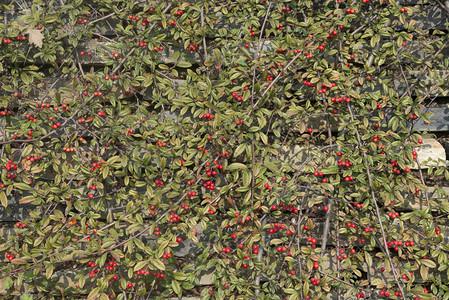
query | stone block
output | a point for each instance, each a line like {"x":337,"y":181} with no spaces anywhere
{"x":430,"y":153}
{"x":438,"y":122}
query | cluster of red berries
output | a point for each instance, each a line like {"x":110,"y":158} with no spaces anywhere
{"x":28,"y":116}
{"x":349,"y":224}
{"x":21,"y":225}
{"x":174,"y":218}
{"x":208,"y":116}
{"x":158,"y":275}
{"x":96,"y":165}
{"x":7,"y":113}
{"x":393,"y":215}
{"x":203,"y":149}
{"x":128,"y":133}
{"x":280,"y":51}
{"x":209,"y":185}
{"x":10,"y":256}
{"x":53,"y":126}
{"x":276,"y":228}
{"x":10,"y":166}
{"x":6,"y":41}
{"x":192,"y":47}
{"x":312,"y":240}
{"x":346,"y":163}
{"x":224,"y":155}
{"x":281,"y":249}
{"x":324,"y":88}
{"x":88,"y":53}
{"x":101,"y":114}
{"x":142,"y":272}
{"x":177,"y":13}
{"x":251,"y":32}
{"x":68,"y":149}
{"x":437,"y":231}
{"x":238,"y":122}
{"x":115,"y":55}
{"x":158,"y":182}
{"x":110,"y":267}
{"x":305,"y":82}
{"x":350,"y":11}
{"x":81,"y":21}
{"x":385,"y":293}
{"x":226,"y":249}
{"x":268,"y":187}
{"x":236,"y":96}
{"x":255,"y":249}
{"x":321,"y":47}
{"x":315,"y":281}
{"x":340,"y":99}
{"x":133,"y":17}
{"x":107,"y":77}
{"x":158,"y":49}
{"x":161,"y":144}
{"x":210,"y":172}
{"x":21,"y":38}
{"x":361,"y":294}
{"x":172,"y":22}
{"x":285,"y":9}
{"x":167,"y":255}
{"x":93,"y":272}
{"x":34,"y":158}
{"x":156,"y":231}
{"x":349,"y":178}
{"x":405,"y":9}
{"x":191,"y":194}
{"x":143,"y":44}
{"x":343,"y":255}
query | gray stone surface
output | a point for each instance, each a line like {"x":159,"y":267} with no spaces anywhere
{"x":439,"y":122}
{"x":430,"y":153}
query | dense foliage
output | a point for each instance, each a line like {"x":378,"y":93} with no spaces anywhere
{"x":269,"y":144}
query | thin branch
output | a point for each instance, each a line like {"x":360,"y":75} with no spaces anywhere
{"x":373,"y":197}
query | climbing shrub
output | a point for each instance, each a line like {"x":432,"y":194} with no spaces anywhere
{"x":270,"y":145}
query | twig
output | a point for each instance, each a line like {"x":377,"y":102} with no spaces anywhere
{"x":373,"y":197}
{"x":259,"y":259}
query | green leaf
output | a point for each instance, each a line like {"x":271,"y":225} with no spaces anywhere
{"x":368,"y":259}
{"x":3,"y":199}
{"x":176,"y":287}
{"x":237,"y":166}
{"x":246,"y":178}
{"x":429,"y":263}
{"x":27,"y":150}
{"x":158,"y":264}
{"x":49,"y":271}
{"x":6,"y":283}
{"x":140,"y":265}
{"x":22,"y":186}
{"x":180,"y":276}
{"x":26,"y":297}
{"x":184,"y":64}
{"x":276,"y":241}
{"x":105,"y":171}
